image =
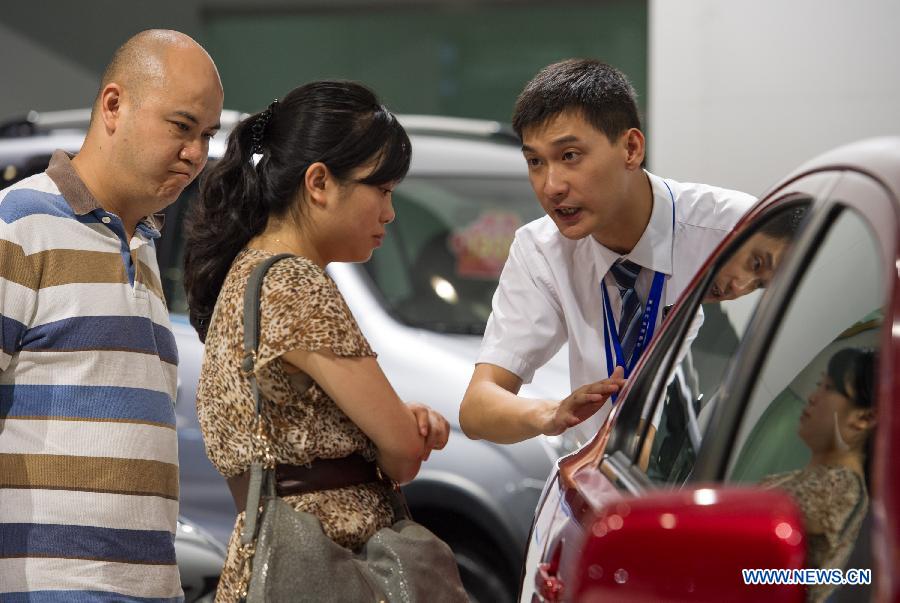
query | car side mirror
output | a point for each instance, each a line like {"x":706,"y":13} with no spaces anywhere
{"x":691,"y":545}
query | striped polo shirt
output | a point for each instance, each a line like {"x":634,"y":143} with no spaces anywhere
{"x":88,"y":449}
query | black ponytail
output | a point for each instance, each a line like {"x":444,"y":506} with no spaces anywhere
{"x":229,"y":212}
{"x":340,"y":124}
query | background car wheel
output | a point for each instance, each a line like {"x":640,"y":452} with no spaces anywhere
{"x":482,"y":582}
{"x":483,"y":569}
{"x":207,"y":598}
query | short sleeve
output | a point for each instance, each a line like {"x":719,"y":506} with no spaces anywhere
{"x":526,"y":326}
{"x":19,"y":283}
{"x":302,"y":309}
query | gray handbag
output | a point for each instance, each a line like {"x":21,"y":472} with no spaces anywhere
{"x":291,"y":557}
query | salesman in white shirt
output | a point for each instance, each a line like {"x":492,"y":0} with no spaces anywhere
{"x":617,"y":246}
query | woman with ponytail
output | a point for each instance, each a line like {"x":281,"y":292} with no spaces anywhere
{"x":310,"y":176}
{"x":838,"y":426}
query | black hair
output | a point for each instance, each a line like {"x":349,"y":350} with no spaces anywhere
{"x":785,"y":224}
{"x":602,"y":94}
{"x":852,"y":370}
{"x":341,"y":124}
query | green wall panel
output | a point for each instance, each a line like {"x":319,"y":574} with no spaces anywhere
{"x":467,"y":61}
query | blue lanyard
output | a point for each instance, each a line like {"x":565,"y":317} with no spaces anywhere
{"x":648,"y":319}
{"x":648,"y":326}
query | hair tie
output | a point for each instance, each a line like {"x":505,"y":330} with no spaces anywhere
{"x":258,"y":129}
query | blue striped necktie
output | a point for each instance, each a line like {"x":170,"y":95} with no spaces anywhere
{"x":625,"y":273}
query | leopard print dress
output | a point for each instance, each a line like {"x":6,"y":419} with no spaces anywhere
{"x":300,"y":308}
{"x":834,"y":501}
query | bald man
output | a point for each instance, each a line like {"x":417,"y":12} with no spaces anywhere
{"x":88,"y":450}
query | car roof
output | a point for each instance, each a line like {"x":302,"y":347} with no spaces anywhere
{"x":78,"y":119}
{"x":45,"y":122}
{"x":447,"y":156}
{"x":878,"y":157}
{"x":441,"y":145}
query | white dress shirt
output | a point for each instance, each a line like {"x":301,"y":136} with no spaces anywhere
{"x":549,"y":290}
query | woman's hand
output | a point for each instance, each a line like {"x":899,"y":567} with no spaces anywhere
{"x":432,"y":426}
{"x":359,"y":388}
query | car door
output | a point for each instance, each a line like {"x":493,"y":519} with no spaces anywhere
{"x":689,"y":415}
{"x":707,"y":335}
{"x":837,"y":304}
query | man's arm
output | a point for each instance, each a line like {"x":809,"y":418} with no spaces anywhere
{"x":492,"y":410}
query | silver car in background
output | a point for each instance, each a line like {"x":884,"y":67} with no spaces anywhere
{"x":422,"y":301}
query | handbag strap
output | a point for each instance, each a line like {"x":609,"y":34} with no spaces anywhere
{"x":259,"y":479}
{"x":251,"y":322}
{"x":262,"y":479}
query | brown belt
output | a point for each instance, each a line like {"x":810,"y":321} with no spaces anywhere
{"x":321,"y":474}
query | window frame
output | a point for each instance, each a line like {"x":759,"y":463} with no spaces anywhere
{"x":660,"y":363}
{"x":620,"y":457}
{"x":715,"y":455}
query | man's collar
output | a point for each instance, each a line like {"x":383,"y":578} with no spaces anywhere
{"x":654,"y":249}
{"x":70,"y":184}
{"x":155,"y":221}
{"x":152,"y":225}
{"x":80,"y":199}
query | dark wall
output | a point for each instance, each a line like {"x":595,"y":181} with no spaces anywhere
{"x":86,"y":32}
{"x":54,"y":51}
{"x":468,"y":60}
{"x":431,"y":56}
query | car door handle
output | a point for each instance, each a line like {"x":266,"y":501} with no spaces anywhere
{"x":549,"y":586}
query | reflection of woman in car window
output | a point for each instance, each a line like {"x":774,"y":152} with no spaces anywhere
{"x":837,"y":425}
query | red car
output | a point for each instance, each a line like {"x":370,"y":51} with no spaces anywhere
{"x":755,"y":453}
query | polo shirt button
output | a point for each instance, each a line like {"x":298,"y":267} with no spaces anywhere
{"x":106,"y":219}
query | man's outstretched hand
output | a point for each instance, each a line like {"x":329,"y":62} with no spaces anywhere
{"x":582,"y":403}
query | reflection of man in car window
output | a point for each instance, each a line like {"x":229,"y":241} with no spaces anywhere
{"x":753,"y":264}
{"x":837,"y":425}
{"x":616,"y":244}
{"x":677,"y":425}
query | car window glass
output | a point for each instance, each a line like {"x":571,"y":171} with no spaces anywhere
{"x":675,"y":425}
{"x":170,"y":247}
{"x":845,"y":272}
{"x":13,"y":171}
{"x":440,"y":261}
{"x":442,"y":256}
{"x":809,"y":423}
